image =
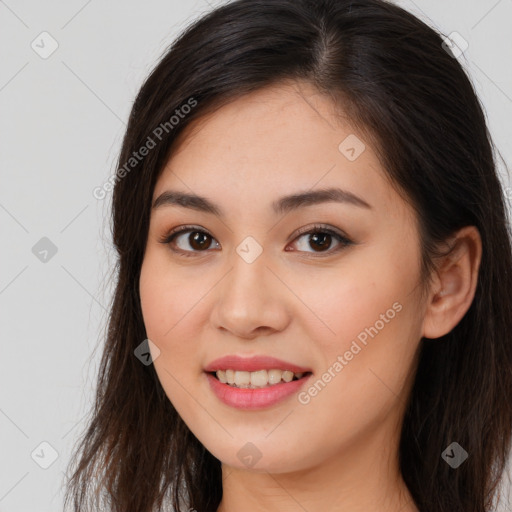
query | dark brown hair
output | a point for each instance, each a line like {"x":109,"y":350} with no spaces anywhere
{"x":391,"y":74}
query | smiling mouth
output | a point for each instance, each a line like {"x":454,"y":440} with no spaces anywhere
{"x":257,"y":379}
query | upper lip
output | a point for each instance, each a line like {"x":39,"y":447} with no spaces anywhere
{"x":252,"y":364}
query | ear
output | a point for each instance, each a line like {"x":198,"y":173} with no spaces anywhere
{"x":454,"y":284}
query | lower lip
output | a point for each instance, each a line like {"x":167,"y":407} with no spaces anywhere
{"x":258,"y":398}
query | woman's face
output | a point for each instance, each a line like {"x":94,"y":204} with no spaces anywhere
{"x":249,"y":284}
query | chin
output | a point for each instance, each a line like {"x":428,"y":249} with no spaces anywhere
{"x":261,"y":457}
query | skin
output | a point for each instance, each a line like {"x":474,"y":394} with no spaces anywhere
{"x":303,"y":305}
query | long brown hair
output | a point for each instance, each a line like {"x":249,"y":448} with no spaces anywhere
{"x":396,"y":80}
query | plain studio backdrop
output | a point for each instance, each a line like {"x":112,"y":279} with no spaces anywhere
{"x":69,"y":74}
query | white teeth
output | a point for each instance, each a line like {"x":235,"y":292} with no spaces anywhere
{"x":274,"y":376}
{"x":287,"y":376}
{"x":258,"y":379}
{"x":242,"y":379}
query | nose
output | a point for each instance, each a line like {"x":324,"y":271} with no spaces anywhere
{"x":251,"y":300}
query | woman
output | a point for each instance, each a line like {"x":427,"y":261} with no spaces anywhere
{"x":313,"y":304}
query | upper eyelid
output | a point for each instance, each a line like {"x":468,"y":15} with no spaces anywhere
{"x":180,"y":230}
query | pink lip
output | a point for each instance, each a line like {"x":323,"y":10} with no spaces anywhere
{"x":252,"y":364}
{"x":251,"y":399}
{"x":245,"y":398}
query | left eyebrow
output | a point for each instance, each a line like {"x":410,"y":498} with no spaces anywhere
{"x":280,"y":206}
{"x":327,"y":195}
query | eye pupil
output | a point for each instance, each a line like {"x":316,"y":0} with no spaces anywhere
{"x":199,"y":238}
{"x":322,"y":236}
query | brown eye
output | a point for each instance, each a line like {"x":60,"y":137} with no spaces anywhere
{"x":196,"y":241}
{"x":320,"y":240}
{"x":199,"y":240}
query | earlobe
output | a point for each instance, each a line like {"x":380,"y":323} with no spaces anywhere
{"x":454,"y":285}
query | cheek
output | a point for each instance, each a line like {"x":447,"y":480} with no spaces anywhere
{"x":166,"y":299}
{"x":369,"y":317}
{"x":356,"y":298}
{"x":168,"y":304}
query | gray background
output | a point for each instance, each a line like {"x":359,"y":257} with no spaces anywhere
{"x":62,"y":120}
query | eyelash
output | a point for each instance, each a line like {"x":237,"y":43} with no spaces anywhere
{"x":317,"y":228}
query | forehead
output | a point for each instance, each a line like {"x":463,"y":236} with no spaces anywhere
{"x":271,"y":142}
